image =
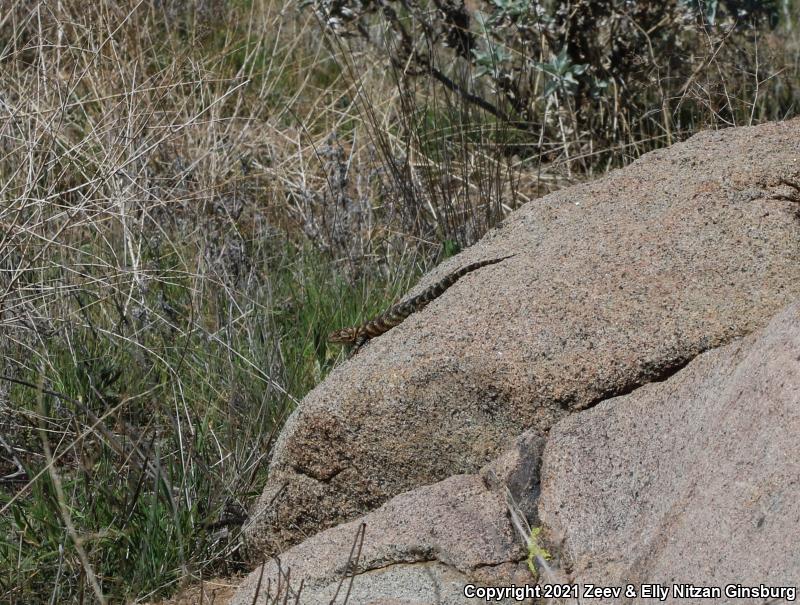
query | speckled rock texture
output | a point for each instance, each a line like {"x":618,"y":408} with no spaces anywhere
{"x":615,"y":284}
{"x":421,"y":547}
{"x":693,"y":480}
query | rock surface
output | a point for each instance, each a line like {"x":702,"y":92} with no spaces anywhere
{"x":421,"y":547}
{"x":693,"y":480}
{"x":615,"y":284}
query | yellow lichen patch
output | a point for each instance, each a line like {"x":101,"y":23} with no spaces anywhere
{"x":536,"y":550}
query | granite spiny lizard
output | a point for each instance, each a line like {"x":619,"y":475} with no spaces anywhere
{"x":357,"y":336}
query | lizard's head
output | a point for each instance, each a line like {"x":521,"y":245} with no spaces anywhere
{"x":344,"y":336}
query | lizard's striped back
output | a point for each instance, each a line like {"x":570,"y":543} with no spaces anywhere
{"x":395,"y":315}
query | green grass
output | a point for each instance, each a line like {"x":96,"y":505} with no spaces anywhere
{"x":170,"y":267}
{"x":183,"y":410}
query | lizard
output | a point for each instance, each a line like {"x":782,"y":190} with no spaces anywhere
{"x":357,"y":336}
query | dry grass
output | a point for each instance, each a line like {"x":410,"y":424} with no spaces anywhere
{"x":166,"y":280}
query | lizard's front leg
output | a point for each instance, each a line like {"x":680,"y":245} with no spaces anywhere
{"x":358,"y":343}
